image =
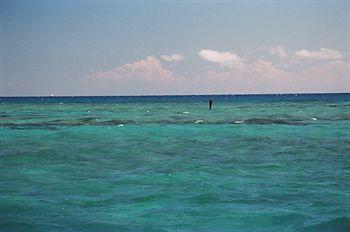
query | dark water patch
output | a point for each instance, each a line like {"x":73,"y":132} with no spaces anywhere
{"x":165,"y":121}
{"x":29,"y":117}
{"x":94,"y":202}
{"x":148,"y":198}
{"x":62,"y":123}
{"x":21,"y":117}
{"x":28,"y":124}
{"x":332,"y":105}
{"x":93,"y":121}
{"x":117,"y":122}
{"x":32,"y":128}
{"x":88,"y":119}
{"x":183,"y":112}
{"x":272,"y":121}
{"x":335,"y":225}
{"x":38,"y":125}
{"x":258,"y":121}
{"x":4,"y":116}
{"x":95,"y":225}
{"x":208,"y":198}
{"x":331,"y":118}
{"x":344,"y":117}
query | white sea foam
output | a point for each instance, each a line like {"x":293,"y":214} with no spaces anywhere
{"x":198,"y":121}
{"x":185,"y":112}
{"x":314,"y":119}
{"x":238,"y":122}
{"x":121,"y":125}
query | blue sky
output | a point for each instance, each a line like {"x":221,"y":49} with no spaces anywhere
{"x":167,"y":47}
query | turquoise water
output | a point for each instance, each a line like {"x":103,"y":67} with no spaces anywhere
{"x":253,"y":163}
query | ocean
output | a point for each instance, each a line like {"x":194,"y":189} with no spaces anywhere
{"x":167,"y":163}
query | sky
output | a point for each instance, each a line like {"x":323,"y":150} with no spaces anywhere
{"x":66,"y":48}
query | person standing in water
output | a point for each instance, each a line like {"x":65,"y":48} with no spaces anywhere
{"x":210,"y":103}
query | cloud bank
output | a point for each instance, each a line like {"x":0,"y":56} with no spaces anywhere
{"x":328,"y":72}
{"x":147,"y":76}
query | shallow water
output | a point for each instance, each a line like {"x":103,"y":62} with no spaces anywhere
{"x":253,"y":163}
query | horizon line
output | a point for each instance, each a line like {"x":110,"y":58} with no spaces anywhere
{"x":179,"y":95}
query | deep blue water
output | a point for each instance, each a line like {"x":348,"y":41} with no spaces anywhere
{"x":167,"y":163}
{"x":181,"y":98}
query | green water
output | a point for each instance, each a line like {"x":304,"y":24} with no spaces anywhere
{"x":167,"y":166}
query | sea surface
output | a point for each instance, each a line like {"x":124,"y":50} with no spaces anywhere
{"x":167,"y":163}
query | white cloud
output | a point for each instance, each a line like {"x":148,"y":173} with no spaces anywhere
{"x":275,"y":50}
{"x":321,"y":54}
{"x":224,"y":59}
{"x":173,"y":57}
{"x":146,"y":69}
